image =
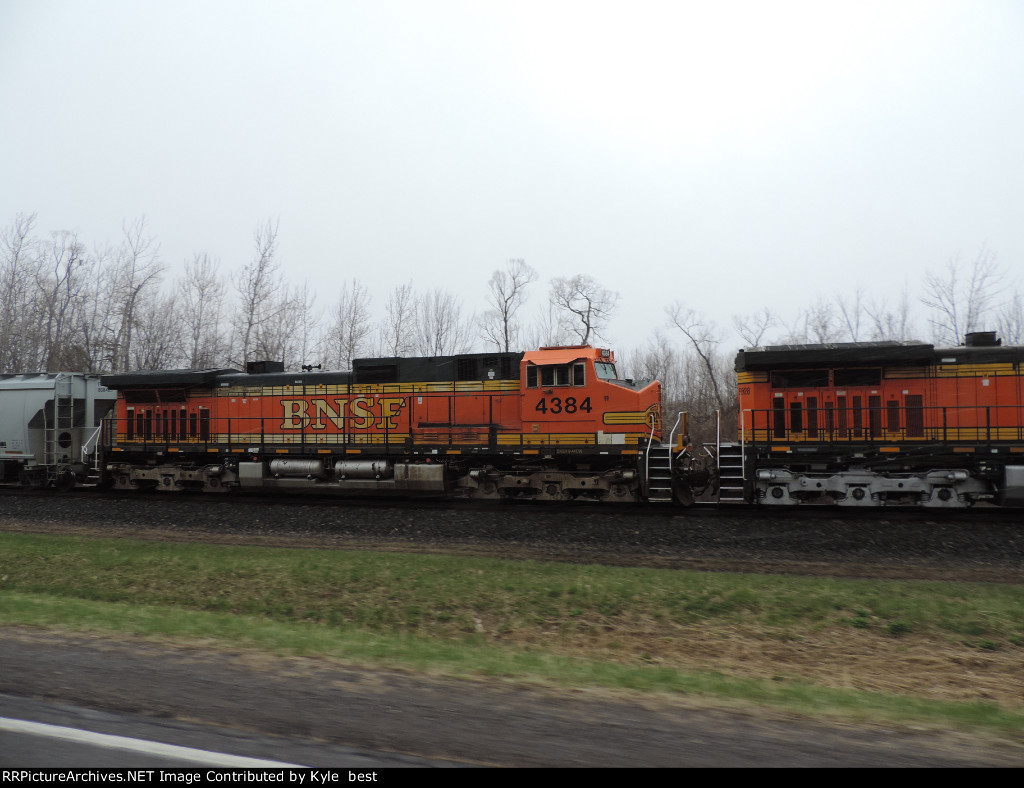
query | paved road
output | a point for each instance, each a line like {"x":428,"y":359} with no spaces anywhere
{"x":259,"y":700}
{"x":45,"y":734}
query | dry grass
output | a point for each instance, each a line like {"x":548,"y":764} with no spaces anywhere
{"x":958,"y":643}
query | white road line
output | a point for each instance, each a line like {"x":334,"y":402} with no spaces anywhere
{"x":202,"y":757}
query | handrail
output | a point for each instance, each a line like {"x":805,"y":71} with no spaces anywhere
{"x":94,"y":439}
{"x":718,"y":435}
{"x":672,"y":441}
{"x":672,"y":434}
{"x":879,"y":425}
{"x":743,"y":440}
{"x":647,"y":454}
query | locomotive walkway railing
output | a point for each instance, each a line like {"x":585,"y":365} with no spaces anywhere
{"x":886,"y":423}
{"x":240,"y":434}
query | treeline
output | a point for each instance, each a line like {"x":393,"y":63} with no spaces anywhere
{"x":64,"y":306}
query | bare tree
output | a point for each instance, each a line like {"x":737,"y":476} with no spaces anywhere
{"x":201,"y":305}
{"x":20,"y":269}
{"x":821,"y":323}
{"x":158,"y":339}
{"x":259,"y":288}
{"x":752,"y":329}
{"x":289,"y":330}
{"x":351,"y":327}
{"x":546,"y":329}
{"x":99,"y":317}
{"x":1010,"y":321}
{"x":703,"y":337}
{"x":137,"y":269}
{"x":585,"y":306}
{"x":891,"y":323}
{"x":850,"y":313}
{"x":303,"y":327}
{"x":440,"y":329}
{"x":398,"y":328}
{"x":506,"y":292}
{"x":960,"y":297}
{"x":660,"y":360}
{"x":60,"y":301}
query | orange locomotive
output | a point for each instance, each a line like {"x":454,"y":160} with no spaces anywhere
{"x":876,"y":423}
{"x":553,"y":424}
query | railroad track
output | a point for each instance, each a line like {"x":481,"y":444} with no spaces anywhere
{"x":983,"y":545}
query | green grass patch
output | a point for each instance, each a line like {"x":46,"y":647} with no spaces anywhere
{"x":567,"y":624}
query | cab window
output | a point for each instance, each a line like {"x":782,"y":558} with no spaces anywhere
{"x":554,"y":375}
{"x":605,"y":370}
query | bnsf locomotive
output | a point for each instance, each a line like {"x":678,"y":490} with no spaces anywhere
{"x":856,"y":424}
{"x":554,"y":424}
{"x":871,"y":424}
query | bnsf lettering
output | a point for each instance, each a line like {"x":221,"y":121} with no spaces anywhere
{"x":361,"y":413}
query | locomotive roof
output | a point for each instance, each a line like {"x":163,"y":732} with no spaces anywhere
{"x":869,"y":354}
{"x":164,"y":378}
{"x":566,"y":354}
{"x":428,"y":369}
{"x":468,"y":366}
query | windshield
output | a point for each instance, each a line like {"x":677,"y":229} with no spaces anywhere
{"x":605,"y":371}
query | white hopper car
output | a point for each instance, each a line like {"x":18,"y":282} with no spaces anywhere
{"x":50,"y":428}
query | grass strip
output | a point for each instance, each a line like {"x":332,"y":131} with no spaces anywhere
{"x":572,"y":625}
{"x":481,"y":660}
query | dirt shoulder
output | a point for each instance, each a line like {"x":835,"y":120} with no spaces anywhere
{"x":490,"y":723}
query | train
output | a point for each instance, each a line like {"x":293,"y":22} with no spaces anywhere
{"x":843,"y":424}
{"x":558,"y":423}
{"x":51,"y":427}
{"x":879,"y":424}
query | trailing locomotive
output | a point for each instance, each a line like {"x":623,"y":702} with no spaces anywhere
{"x":552,"y":424}
{"x":879,"y":423}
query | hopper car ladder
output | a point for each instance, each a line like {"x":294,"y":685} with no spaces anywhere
{"x":60,"y":423}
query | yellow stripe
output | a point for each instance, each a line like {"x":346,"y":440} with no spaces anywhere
{"x":625,"y":417}
{"x":973,"y":370}
{"x":559,"y":439}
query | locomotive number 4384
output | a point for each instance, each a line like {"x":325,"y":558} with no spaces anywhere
{"x":568,"y":405}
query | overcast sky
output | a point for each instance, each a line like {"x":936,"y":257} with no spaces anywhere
{"x":733,"y":155}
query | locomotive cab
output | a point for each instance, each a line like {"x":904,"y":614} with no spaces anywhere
{"x":574,"y":394}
